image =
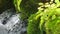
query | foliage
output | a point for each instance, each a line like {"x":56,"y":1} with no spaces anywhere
{"x":49,"y":19}
{"x":17,"y":5}
{"x":43,"y":16}
{"x":33,"y":27}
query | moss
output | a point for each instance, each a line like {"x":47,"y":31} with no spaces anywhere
{"x":41,"y":18}
{"x":33,"y":25}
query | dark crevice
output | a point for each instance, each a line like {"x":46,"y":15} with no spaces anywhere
{"x":4,"y":21}
{"x":44,"y":32}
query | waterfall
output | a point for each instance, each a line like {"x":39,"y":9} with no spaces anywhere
{"x":11,"y":23}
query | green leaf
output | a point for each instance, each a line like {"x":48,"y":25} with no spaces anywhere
{"x":17,"y":5}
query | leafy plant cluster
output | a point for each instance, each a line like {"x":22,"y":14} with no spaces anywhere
{"x":43,"y":16}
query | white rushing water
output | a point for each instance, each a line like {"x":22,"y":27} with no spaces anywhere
{"x":10,"y":23}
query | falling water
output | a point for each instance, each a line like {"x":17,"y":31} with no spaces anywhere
{"x":10,"y":23}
